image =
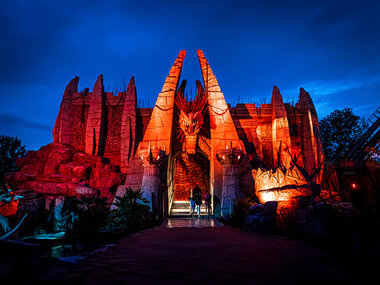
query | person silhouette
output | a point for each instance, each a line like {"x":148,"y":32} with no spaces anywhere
{"x":192,"y":203}
{"x":207,"y":198}
{"x":198,"y":199}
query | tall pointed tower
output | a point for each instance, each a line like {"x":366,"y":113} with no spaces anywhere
{"x":227,"y":149}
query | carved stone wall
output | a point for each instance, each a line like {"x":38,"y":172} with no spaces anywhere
{"x":113,"y":127}
{"x":190,"y":170}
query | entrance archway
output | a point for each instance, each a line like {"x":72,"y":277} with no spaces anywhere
{"x":190,"y":169}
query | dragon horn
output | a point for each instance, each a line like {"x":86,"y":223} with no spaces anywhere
{"x":181,"y":89}
{"x":201,"y":90}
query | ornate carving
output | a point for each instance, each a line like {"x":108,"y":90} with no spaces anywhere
{"x":191,"y":116}
{"x":229,"y":156}
{"x":149,"y":157}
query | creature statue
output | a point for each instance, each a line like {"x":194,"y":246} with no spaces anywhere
{"x":191,"y":116}
{"x":8,"y":202}
{"x":8,"y":207}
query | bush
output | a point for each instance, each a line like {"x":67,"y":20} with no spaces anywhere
{"x":85,"y":219}
{"x":240,"y":212}
{"x":132,"y":212}
{"x":10,"y":150}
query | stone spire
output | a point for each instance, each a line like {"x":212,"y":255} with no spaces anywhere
{"x":63,"y":128}
{"x":278,"y":106}
{"x":96,"y":120}
{"x":159,"y":130}
{"x":312,"y":145}
{"x":131,"y":85}
{"x":305,"y":101}
{"x":128,"y":138}
{"x":222,"y":127}
{"x":225,"y":181}
{"x":280,"y":131}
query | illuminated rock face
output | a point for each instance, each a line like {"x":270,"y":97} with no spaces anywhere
{"x":281,"y":185}
{"x":99,"y":139}
{"x":58,"y":169}
{"x":289,"y":186}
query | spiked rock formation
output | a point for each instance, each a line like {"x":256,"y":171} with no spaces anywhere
{"x":58,"y":169}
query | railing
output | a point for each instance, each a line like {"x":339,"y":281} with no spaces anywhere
{"x":358,"y":142}
{"x":171,"y":198}
{"x":204,"y":146}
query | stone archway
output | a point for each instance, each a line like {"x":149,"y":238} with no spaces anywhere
{"x":190,"y":169}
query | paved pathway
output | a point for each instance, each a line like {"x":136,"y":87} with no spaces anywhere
{"x":207,"y":255}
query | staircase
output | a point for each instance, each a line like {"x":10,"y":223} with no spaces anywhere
{"x":364,"y":143}
{"x":182,"y":208}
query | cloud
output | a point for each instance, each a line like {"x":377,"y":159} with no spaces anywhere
{"x":251,"y":46}
{"x":11,"y":122}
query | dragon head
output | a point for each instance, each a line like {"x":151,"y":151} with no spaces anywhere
{"x":190,"y":123}
{"x":191,"y":115}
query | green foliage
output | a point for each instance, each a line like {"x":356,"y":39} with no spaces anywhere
{"x":85,"y":218}
{"x":338,"y":129}
{"x":132,"y":211}
{"x":10,"y":150}
{"x":241,"y":210}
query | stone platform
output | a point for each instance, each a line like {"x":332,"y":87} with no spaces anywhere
{"x":202,"y":222}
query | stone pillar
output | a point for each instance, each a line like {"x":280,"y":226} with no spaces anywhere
{"x":222,"y":128}
{"x":94,"y":144}
{"x":159,"y":129}
{"x":280,"y":131}
{"x":128,"y":127}
{"x":312,"y":145}
{"x":229,"y":158}
{"x":151,"y":158}
{"x":63,"y":128}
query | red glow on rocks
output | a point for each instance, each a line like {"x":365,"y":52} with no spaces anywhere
{"x":99,"y":139}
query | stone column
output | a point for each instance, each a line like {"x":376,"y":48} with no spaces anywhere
{"x":94,"y":143}
{"x":229,"y":158}
{"x":63,"y":128}
{"x":151,"y":159}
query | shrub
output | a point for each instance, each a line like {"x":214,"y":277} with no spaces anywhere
{"x":132,"y":211}
{"x":241,"y":210}
{"x":85,"y":219}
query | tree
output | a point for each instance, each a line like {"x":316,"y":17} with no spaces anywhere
{"x":338,"y":129}
{"x":10,"y":150}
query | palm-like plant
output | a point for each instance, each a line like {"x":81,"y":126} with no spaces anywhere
{"x":85,"y":218}
{"x":132,"y":211}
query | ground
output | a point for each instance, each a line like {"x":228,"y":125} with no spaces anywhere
{"x":187,"y":253}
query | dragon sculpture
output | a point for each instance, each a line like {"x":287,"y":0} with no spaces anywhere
{"x":191,"y":115}
{"x":8,"y":207}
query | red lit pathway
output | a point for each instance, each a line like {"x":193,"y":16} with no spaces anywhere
{"x":212,"y":255}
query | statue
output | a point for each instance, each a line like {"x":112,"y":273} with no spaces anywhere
{"x":191,"y":115}
{"x":8,"y":208}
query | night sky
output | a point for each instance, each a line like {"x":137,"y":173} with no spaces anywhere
{"x":331,"y":48}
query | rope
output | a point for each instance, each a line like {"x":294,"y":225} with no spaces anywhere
{"x":162,"y":109}
{"x":219,"y":114}
{"x":118,"y":103}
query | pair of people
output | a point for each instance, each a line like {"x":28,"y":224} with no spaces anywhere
{"x":196,"y":200}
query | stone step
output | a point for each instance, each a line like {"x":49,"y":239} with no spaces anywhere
{"x":185,"y":210}
{"x":182,"y":208}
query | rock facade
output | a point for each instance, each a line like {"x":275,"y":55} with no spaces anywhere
{"x":60,"y":169}
{"x":98,"y":139}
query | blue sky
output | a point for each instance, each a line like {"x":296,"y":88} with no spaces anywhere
{"x":331,"y":48}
